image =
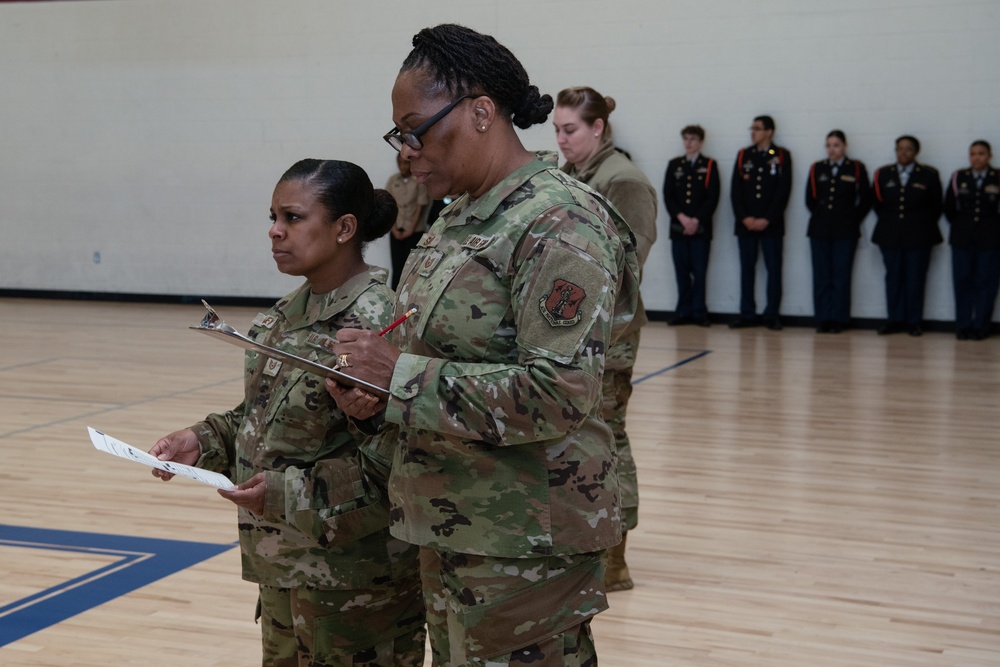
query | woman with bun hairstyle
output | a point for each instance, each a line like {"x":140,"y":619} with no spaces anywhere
{"x":335,"y":588}
{"x":583,"y":132}
{"x":503,"y":470}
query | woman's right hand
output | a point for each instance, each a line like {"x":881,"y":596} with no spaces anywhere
{"x":180,"y":446}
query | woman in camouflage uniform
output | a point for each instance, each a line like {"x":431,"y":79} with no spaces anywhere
{"x":335,"y":588}
{"x":583,"y":132}
{"x":503,"y":469}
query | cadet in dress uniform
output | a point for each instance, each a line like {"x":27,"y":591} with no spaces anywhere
{"x":761,"y":185}
{"x":908,"y":205}
{"x":691,"y":193}
{"x":839,"y":197}
{"x":972,"y":206}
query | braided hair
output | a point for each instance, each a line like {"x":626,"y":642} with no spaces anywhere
{"x":464,"y":61}
{"x":344,"y":188}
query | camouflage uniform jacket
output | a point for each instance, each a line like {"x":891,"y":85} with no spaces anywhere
{"x":324,"y":525}
{"x":501,"y":449}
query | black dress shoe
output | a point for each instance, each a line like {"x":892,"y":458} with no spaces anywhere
{"x":774,"y":325}
{"x":742,"y":323}
{"x":703,"y":322}
{"x":916,"y":330}
{"x":963,"y":334}
{"x":679,"y":320}
{"x":979,"y":335}
{"x":823,"y":327}
{"x":890,"y":328}
{"x":838,"y":327}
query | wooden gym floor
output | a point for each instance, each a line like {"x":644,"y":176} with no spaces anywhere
{"x":806,"y":499}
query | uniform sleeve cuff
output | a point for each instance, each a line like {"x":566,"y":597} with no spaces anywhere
{"x":405,"y":385}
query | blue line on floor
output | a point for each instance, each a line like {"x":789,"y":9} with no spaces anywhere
{"x":138,"y":561}
{"x":672,"y":367}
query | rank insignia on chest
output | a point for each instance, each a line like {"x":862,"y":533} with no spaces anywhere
{"x":561,"y":306}
{"x":265,"y":320}
{"x":321,"y":341}
{"x":271,"y":366}
{"x":477,"y":242}
{"x":428,"y":262}
{"x":428,"y":241}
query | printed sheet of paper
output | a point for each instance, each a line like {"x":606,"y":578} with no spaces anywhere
{"x":106,"y":443}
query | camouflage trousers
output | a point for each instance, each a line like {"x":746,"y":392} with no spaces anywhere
{"x":382,"y":626}
{"x":484,"y":611}
{"x":617,"y":389}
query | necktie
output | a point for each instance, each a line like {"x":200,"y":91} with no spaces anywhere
{"x":835,"y":170}
{"x":979,"y":182}
{"x":904,"y":176}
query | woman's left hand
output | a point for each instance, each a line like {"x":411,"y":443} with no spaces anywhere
{"x":356,"y":403}
{"x":249,"y":494}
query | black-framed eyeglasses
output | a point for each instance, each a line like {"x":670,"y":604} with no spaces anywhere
{"x":396,"y":139}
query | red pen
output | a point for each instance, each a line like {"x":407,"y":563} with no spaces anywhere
{"x":397,"y":322}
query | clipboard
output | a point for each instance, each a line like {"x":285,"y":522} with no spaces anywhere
{"x":212,"y":325}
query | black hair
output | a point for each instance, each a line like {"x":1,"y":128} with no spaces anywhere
{"x":465,"y":61}
{"x":985,"y":144}
{"x":911,"y":139}
{"x":694,"y":130}
{"x":344,"y":188}
{"x":766,"y":121}
{"x":839,"y":134}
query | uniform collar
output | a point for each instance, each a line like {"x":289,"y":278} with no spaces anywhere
{"x":302,"y":311}
{"x":486,"y":206}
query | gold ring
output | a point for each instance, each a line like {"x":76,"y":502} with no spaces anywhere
{"x":342,"y":360}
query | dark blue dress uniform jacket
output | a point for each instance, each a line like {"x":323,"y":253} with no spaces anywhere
{"x":692,"y":190}
{"x":974,"y":213}
{"x":907,"y":217}
{"x":761,"y":185}
{"x":838,"y":203}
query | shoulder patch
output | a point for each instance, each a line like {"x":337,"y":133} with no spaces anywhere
{"x":561,"y":306}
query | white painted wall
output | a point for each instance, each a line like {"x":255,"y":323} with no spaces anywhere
{"x":153,"y":131}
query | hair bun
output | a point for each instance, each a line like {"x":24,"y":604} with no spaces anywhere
{"x":534,"y":108}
